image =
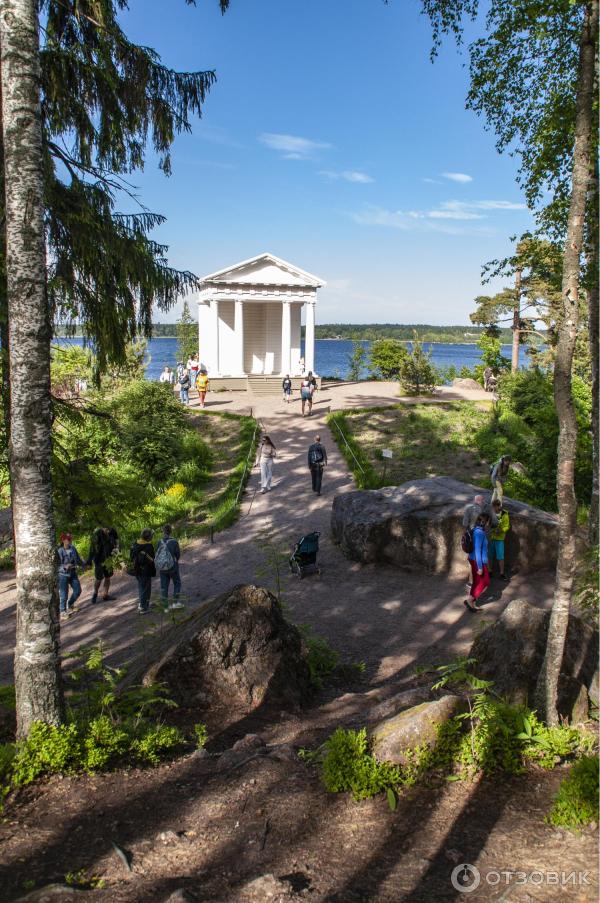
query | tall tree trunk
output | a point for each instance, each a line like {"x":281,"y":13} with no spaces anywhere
{"x":592,"y":301}
{"x":516,"y":327}
{"x":37,"y":662}
{"x":547,"y":686}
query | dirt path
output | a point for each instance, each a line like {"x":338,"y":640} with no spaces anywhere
{"x":198,"y":833}
{"x":376,"y":614}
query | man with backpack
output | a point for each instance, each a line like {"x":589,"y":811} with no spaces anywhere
{"x":317,"y":459}
{"x":143,"y":568}
{"x":103,"y":545}
{"x":166,"y":561}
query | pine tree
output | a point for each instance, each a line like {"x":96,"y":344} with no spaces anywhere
{"x":187,"y":335}
{"x":77,"y":117}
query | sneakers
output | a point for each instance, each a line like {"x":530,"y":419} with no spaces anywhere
{"x":64,"y":615}
{"x":174,"y":606}
{"x":95,"y":599}
{"x":109,"y":598}
{"x":143,"y":611}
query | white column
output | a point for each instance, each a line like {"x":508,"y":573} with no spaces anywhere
{"x":214,"y":339}
{"x":238,"y":326}
{"x":286,"y":336}
{"x":309,"y":338}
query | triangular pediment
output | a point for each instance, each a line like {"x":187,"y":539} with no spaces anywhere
{"x":265,"y":269}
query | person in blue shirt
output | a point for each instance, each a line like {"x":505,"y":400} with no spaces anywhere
{"x":69,"y":561}
{"x":479,"y":563}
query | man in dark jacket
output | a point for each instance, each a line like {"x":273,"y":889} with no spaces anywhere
{"x":317,"y":459}
{"x":142,"y":557}
{"x":172,"y":547}
{"x":104,"y":542}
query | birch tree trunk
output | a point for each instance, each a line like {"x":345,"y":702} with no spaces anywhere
{"x":547,"y":686}
{"x":37,"y":662}
{"x":594,"y":336}
{"x":516,"y":327}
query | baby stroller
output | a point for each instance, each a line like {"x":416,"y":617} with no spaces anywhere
{"x":303,"y":559}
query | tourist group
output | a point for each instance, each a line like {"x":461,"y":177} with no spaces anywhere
{"x":484,"y":532}
{"x":145,"y":562}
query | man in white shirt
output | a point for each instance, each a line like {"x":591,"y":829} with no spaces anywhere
{"x":166,"y":376}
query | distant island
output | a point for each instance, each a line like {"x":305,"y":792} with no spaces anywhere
{"x":369,"y":332}
{"x":366,"y":332}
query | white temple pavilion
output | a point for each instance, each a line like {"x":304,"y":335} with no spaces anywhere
{"x":249,"y":318}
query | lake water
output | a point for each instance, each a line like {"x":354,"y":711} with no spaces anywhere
{"x":331,"y":355}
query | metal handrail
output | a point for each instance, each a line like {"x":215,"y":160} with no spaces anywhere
{"x":239,"y":492}
{"x":360,"y":467}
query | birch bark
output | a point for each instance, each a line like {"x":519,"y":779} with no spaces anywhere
{"x":547,"y":686}
{"x":37,"y":661}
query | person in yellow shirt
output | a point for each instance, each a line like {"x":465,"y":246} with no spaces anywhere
{"x":497,"y":535}
{"x":202,"y":386}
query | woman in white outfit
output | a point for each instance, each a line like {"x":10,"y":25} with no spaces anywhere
{"x":264,"y":457}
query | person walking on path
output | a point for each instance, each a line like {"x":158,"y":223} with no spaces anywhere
{"x":103,"y":545}
{"x":497,"y":536}
{"x":264,"y":459}
{"x":317,"y":459}
{"x":184,"y":387}
{"x":69,"y":561}
{"x":166,"y":562}
{"x":499,"y":475}
{"x":142,"y":558}
{"x":287,"y":388}
{"x":479,"y":563}
{"x":202,"y":382}
{"x":193,"y":366}
{"x":307,"y":390}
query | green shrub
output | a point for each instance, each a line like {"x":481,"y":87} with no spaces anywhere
{"x":201,"y":733}
{"x":321,"y":659}
{"x":48,"y":749}
{"x":576,"y":802}
{"x":155,"y":742}
{"x":348,"y":766}
{"x":104,"y":743}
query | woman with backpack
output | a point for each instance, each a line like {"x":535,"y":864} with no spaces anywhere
{"x":166,"y":562}
{"x":143,"y":567}
{"x":184,"y":387}
{"x":478,"y":556}
{"x":69,"y":560}
{"x":264,"y":459}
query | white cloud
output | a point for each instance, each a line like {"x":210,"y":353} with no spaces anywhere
{"x":461,"y":177}
{"x":446,"y":218}
{"x":349,"y":175}
{"x":293,"y":147}
{"x":430,"y":181}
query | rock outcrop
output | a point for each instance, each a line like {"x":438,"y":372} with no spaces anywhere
{"x":237,"y":651}
{"x":415,"y":726}
{"x":511,"y":650}
{"x":417,"y":526}
{"x":466,"y":383}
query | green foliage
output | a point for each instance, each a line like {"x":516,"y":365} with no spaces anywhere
{"x":370,"y":332}
{"x":417,"y":373}
{"x":322,"y":660}
{"x":7,"y":696}
{"x":386,"y":358}
{"x":576,"y":803}
{"x":357,"y":361}
{"x":83,"y":881}
{"x":105,"y":727}
{"x":348,"y":766}
{"x":365,"y":475}
{"x":201,"y":734}
{"x":490,"y":736}
{"x":155,"y":742}
{"x":491,"y":353}
{"x":187,"y":335}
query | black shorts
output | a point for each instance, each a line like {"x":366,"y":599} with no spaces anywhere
{"x":101,"y":572}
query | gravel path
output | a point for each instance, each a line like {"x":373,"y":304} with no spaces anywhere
{"x":376,"y":613}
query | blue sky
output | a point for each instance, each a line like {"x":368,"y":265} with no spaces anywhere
{"x":331,"y":140}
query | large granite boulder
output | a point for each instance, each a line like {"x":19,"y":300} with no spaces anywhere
{"x":415,"y":726}
{"x":511,"y":650}
{"x":238,"y":651}
{"x":417,"y":526}
{"x":466,"y":383}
